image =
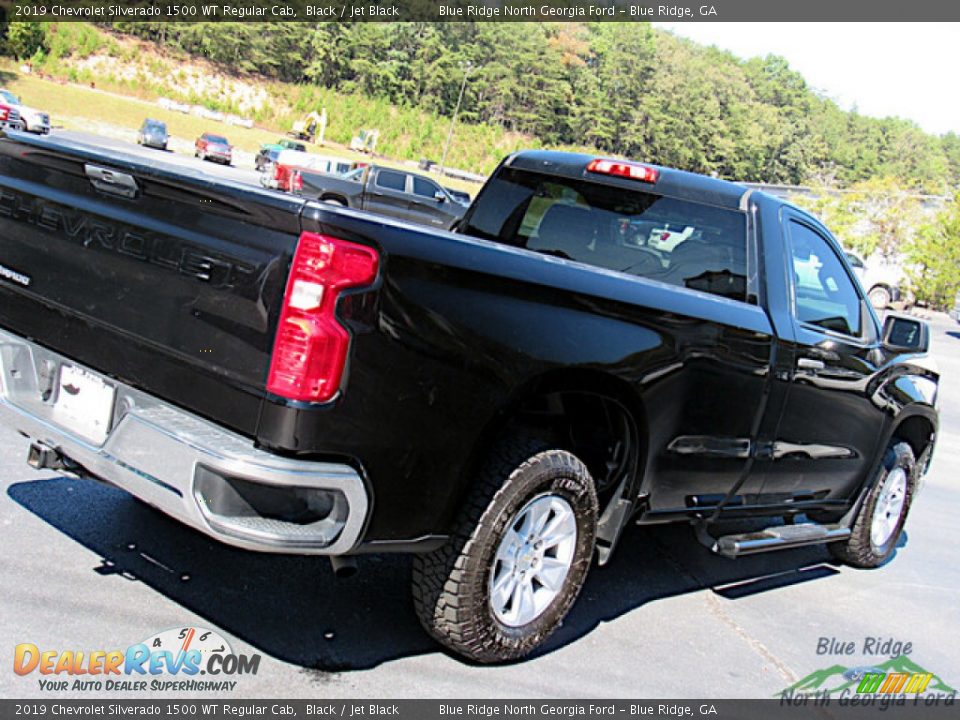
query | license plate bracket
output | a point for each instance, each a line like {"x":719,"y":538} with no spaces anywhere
{"x":84,"y":403}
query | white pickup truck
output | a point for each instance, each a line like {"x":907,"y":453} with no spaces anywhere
{"x":881,"y":281}
{"x":31,"y":120}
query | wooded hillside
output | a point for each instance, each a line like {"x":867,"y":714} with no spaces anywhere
{"x":622,"y":88}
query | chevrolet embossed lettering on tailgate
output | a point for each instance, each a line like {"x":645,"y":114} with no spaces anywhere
{"x":143,"y":274}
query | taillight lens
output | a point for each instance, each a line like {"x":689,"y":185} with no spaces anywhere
{"x":296,"y":182}
{"x":277,"y":173}
{"x":622,"y":168}
{"x":311,"y":347}
{"x":4,"y":113}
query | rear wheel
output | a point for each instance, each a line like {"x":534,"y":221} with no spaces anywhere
{"x":880,"y":297}
{"x":880,"y":521}
{"x":518,"y":558}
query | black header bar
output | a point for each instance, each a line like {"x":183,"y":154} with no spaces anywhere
{"x":481,"y":11}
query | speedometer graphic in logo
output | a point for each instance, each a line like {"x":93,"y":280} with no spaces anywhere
{"x":186,"y":639}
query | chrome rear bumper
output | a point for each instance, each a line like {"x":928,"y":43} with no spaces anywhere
{"x":191,"y":469}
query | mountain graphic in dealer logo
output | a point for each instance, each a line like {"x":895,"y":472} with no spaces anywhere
{"x":896,"y":676}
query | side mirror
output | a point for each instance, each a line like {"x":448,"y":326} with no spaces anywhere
{"x":906,"y":334}
{"x":439,"y":196}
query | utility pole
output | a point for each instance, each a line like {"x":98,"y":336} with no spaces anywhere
{"x":466,"y":67}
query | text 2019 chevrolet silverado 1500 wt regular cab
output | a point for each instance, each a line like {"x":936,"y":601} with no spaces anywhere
{"x":286,"y":376}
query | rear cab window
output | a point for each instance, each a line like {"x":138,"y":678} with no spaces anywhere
{"x":682,"y":243}
{"x":391,"y":180}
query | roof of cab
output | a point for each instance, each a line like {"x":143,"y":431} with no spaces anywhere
{"x":675,"y":183}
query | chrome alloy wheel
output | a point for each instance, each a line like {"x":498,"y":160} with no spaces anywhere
{"x":532,"y":561}
{"x":887,"y":511}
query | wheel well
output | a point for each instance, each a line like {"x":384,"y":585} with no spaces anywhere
{"x":333,"y":196}
{"x":916,"y":431}
{"x":595,"y":417}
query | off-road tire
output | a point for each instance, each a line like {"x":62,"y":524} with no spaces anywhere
{"x":451,"y":585}
{"x":859,"y":549}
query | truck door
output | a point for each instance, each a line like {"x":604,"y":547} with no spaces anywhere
{"x":386,"y":193}
{"x":426,"y":208}
{"x":829,"y":427}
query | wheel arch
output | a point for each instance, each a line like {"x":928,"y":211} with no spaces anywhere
{"x":919,"y":431}
{"x":561,"y":401}
{"x":328,"y":196}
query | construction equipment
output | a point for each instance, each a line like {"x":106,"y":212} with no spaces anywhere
{"x":366,"y":141}
{"x":311,"y":128}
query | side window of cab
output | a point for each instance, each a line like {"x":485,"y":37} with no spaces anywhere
{"x":824,"y":294}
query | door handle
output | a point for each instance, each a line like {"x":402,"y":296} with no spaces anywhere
{"x":111,"y":181}
{"x":809,"y":364}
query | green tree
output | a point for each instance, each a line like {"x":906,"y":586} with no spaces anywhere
{"x":617,"y":88}
{"x":873,"y":216}
{"x":24,"y":39}
{"x":934,"y":256}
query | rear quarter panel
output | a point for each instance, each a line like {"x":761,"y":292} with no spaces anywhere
{"x":456,"y":327}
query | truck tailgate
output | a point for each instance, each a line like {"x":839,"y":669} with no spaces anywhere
{"x":157,"y":275}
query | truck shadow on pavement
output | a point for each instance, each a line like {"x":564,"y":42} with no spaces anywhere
{"x":294,"y":609}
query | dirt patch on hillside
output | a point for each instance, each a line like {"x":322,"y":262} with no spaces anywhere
{"x":183,"y":79}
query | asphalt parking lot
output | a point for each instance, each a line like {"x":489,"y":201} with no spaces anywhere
{"x":86,"y":567}
{"x":240,"y":171}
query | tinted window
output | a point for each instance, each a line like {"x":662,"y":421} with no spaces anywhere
{"x":424,"y":188}
{"x":392,"y":180}
{"x":216,"y":139}
{"x":673,"y":241}
{"x":854,"y":261}
{"x":824,"y":293}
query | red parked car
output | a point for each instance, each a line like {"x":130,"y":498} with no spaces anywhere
{"x":213,"y":147}
{"x":9,"y":116}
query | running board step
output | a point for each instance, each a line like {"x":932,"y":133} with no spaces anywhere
{"x":780,"y":537}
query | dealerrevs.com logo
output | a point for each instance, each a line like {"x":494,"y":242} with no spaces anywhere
{"x":187,"y":659}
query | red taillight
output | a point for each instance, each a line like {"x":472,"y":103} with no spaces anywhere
{"x":311,"y":347}
{"x":296,"y":181}
{"x":622,"y":168}
{"x":4,"y":112}
{"x":278,"y":172}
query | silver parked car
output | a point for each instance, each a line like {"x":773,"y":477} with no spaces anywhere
{"x":153,"y":133}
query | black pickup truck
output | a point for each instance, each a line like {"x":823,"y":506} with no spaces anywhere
{"x":285,"y":376}
{"x":386,"y":191}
